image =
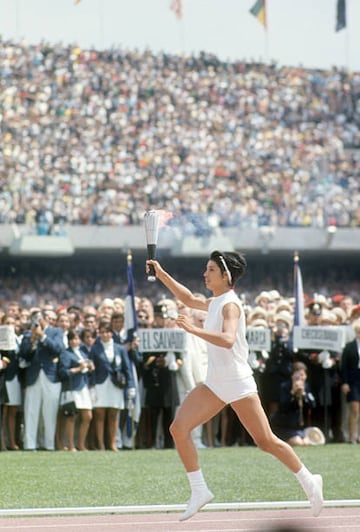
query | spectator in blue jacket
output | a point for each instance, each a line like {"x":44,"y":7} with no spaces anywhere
{"x":41,"y":347}
{"x":74,"y":369}
{"x":109,"y":358}
{"x":350,"y":375}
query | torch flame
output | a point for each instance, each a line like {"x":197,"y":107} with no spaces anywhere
{"x":164,"y":217}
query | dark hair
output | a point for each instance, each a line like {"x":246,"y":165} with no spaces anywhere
{"x":105,"y":325}
{"x":234,"y":262}
{"x":117,"y":315}
{"x":72,"y":334}
{"x":86,"y":331}
{"x":74,"y":308}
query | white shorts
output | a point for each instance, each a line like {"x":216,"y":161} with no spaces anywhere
{"x":232,"y":390}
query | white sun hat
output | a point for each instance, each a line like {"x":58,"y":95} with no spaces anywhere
{"x":314,"y":435}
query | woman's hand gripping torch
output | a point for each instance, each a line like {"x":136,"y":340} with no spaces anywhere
{"x":151,"y":222}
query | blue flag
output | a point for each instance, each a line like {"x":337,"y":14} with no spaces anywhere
{"x":130,"y":324}
{"x":340,"y":15}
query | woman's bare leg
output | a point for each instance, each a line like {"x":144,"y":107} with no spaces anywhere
{"x":69,"y":430}
{"x":85,"y":418}
{"x":251,"y":414}
{"x":198,"y":407}
{"x":113,"y":425}
{"x":4,"y":413}
{"x":60,"y":432}
{"x":12,"y":411}
{"x":99,"y":416}
{"x":353,"y":420}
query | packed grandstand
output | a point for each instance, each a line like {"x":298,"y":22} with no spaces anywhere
{"x":91,"y":137}
{"x":97,"y":138}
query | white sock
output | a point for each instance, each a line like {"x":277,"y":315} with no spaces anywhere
{"x":306,"y":480}
{"x":196,"y":480}
{"x":200,"y":494}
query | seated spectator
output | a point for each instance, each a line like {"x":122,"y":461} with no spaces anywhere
{"x":296,"y":402}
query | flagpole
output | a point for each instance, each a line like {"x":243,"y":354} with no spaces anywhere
{"x":101,"y":23}
{"x":266,"y":46}
{"x":177,"y":7}
{"x":347,"y":49}
{"x":17,"y":19}
{"x":266,"y":33}
{"x":259,"y":11}
{"x":131,"y":403}
{"x":182,"y":35}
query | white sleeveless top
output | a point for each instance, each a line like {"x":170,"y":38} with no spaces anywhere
{"x":227,"y":365}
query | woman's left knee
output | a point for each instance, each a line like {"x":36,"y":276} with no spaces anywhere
{"x":267,"y":443}
{"x":178,"y":429}
{"x":175,"y":428}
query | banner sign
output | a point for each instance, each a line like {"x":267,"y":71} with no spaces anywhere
{"x":7,"y":338}
{"x":331,"y":338}
{"x":259,"y":338}
{"x":157,"y":340}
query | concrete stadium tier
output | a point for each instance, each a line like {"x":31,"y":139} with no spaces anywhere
{"x":24,"y":241}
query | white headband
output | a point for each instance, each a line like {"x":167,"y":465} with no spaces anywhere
{"x":226,"y":268}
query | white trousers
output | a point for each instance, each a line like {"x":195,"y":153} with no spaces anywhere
{"x":41,"y":400}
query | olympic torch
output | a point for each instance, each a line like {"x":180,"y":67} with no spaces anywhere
{"x":151,"y":222}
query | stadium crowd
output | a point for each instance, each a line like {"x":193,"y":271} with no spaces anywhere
{"x":75,"y":348}
{"x":98,"y":137}
{"x":90,"y":137}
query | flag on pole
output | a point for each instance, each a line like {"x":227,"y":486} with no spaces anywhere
{"x":340,"y":15}
{"x":176,"y":6}
{"x":130,"y":319}
{"x":259,"y":11}
{"x":130,"y":325}
{"x":299,"y":317}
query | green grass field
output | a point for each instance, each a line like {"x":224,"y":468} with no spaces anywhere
{"x":243,"y":474}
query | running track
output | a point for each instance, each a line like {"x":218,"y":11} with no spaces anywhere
{"x":296,"y":517}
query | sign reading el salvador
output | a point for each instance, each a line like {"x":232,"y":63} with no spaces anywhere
{"x":331,"y":338}
{"x":259,"y":338}
{"x":7,"y":338}
{"x":157,"y":340}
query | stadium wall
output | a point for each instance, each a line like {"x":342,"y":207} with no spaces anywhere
{"x":329,"y":259}
{"x":20,"y":240}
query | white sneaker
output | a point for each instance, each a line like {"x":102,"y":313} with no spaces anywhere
{"x":198,"y":499}
{"x":316,"y":499}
